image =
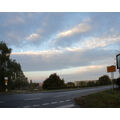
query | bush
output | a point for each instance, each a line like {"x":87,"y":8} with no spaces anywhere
{"x":105,"y":80}
{"x":53,"y":82}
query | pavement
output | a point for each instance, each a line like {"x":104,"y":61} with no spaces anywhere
{"x":61,"y":99}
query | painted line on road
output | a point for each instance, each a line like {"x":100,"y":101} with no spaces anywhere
{"x":46,"y":104}
{"x":61,"y":101}
{"x":54,"y":102}
{"x":67,"y":106}
{"x":36,"y":105}
{"x":67,"y":100}
{"x":33,"y":99}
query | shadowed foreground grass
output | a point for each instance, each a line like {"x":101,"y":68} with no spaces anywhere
{"x":105,"y":99}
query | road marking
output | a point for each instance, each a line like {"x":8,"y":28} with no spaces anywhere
{"x":36,"y":105}
{"x":32,"y":99}
{"x":67,"y":100}
{"x":1,"y":101}
{"x":61,"y":101}
{"x":67,"y":106}
{"x":54,"y":102}
{"x":27,"y":106}
{"x":45,"y":104}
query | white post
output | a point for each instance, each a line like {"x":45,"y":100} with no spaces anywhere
{"x":112,"y":77}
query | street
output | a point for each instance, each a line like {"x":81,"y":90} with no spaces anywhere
{"x":61,"y":99}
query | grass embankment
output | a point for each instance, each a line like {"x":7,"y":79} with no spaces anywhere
{"x":104,"y":99}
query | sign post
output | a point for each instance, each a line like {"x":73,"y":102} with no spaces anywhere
{"x":6,"y":83}
{"x":111,"y":69}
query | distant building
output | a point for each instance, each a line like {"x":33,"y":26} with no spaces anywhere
{"x":82,"y":82}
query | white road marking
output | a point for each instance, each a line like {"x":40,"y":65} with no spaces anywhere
{"x":67,"y":106}
{"x":54,"y":102}
{"x":27,"y":106}
{"x":36,"y":105}
{"x":45,"y":104}
{"x":67,"y":100}
{"x":1,"y":101}
{"x":61,"y":101}
{"x":32,"y":99}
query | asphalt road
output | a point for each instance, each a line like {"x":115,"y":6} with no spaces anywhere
{"x":61,"y":99}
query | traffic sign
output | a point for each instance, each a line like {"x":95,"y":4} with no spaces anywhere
{"x":5,"y":78}
{"x":111,"y":68}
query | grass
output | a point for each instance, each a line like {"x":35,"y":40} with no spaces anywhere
{"x":105,"y":99}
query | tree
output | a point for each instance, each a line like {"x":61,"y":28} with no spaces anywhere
{"x":4,"y":59}
{"x":11,"y":69}
{"x":53,"y":82}
{"x":105,"y":80}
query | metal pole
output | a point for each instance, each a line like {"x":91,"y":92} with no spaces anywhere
{"x":112,"y":77}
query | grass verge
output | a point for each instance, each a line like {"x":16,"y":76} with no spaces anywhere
{"x":104,"y":99}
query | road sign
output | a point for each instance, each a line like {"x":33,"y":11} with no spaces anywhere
{"x":111,"y":68}
{"x":118,"y":61}
{"x":5,"y":78}
{"x":6,"y":81}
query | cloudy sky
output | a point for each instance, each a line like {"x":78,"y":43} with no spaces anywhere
{"x":76,"y":46}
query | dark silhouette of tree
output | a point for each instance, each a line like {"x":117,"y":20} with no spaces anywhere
{"x":53,"y":82}
{"x":4,"y":59}
{"x":105,"y":80}
{"x":11,"y":69}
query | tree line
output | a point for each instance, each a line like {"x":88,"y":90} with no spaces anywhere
{"x":11,"y":69}
{"x":55,"y":82}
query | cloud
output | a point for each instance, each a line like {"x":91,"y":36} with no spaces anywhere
{"x":92,"y":72}
{"x":56,"y":60}
{"x":73,"y":35}
{"x":101,"y":41}
{"x":33,"y":36}
{"x":80,"y":28}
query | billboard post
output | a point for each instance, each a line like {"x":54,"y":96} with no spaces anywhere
{"x":111,"y":69}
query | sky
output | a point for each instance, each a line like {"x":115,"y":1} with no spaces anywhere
{"x":75,"y":45}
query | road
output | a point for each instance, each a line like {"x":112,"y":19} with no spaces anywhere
{"x":61,"y":99}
